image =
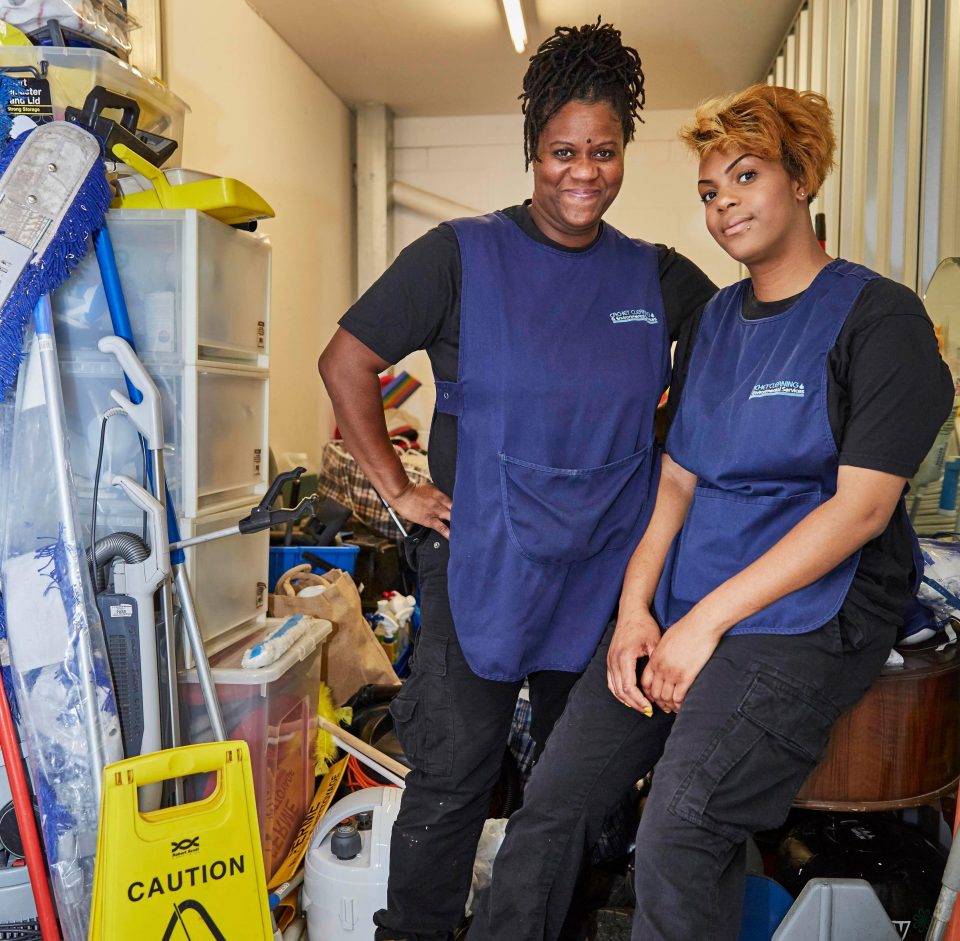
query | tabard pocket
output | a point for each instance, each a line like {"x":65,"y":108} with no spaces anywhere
{"x":558,"y":515}
{"x":724,"y":532}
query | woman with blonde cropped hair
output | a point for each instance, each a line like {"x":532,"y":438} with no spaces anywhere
{"x":769,"y":586}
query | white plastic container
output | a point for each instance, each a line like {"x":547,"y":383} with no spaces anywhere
{"x":73,"y":73}
{"x":224,"y":453}
{"x":273,"y":709}
{"x":215,"y":431}
{"x":195,"y":289}
{"x":340,"y":895}
{"x":228,"y":577}
{"x":86,"y":396}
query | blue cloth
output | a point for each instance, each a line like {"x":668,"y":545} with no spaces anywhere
{"x":753,"y":426}
{"x":563,"y":358}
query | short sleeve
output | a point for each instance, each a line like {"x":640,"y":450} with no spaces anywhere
{"x":896,"y":391}
{"x":684,"y":287}
{"x":412,"y":304}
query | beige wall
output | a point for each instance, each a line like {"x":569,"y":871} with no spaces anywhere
{"x":478,"y":161}
{"x":261,"y":115}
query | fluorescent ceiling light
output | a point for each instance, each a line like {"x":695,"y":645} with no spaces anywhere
{"x":518,"y":31}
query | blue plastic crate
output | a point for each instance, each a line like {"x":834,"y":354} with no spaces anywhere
{"x":286,"y":557}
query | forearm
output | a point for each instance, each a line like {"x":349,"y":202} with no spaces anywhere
{"x":354,"y":390}
{"x":815,"y":546}
{"x":674,"y":495}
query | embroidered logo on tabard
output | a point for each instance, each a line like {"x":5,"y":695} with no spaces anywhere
{"x":629,"y":316}
{"x":787,"y":387}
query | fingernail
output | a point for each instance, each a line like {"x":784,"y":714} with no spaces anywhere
{"x":648,"y":712}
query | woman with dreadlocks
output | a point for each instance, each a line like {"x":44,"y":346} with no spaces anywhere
{"x":549,"y":335}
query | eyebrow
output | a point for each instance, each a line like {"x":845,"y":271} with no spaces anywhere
{"x":732,"y":165}
{"x":602,"y":143}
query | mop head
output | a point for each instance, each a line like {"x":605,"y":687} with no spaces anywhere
{"x":276,"y":644}
{"x":9,"y":89}
{"x":53,"y":196}
{"x":326,"y":746}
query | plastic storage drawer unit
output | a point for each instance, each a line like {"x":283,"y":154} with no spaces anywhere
{"x":215,"y":434}
{"x":228,"y":577}
{"x":196,"y":289}
{"x":273,"y":709}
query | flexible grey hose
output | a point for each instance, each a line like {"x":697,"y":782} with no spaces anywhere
{"x":123,"y":545}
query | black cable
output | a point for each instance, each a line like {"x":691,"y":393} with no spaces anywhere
{"x":145,"y":483}
{"x":96,"y":491}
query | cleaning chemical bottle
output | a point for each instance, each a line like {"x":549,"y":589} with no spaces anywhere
{"x":386,"y":629}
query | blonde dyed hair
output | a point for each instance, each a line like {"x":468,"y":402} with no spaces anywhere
{"x":772,"y":122}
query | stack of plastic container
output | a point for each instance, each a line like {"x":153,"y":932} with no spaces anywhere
{"x":198,"y":296}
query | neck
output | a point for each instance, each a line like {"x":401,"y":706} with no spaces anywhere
{"x":578,"y":239}
{"x":788,"y":272}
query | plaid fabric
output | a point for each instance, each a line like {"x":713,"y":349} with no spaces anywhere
{"x":620,"y":826}
{"x":341,"y":479}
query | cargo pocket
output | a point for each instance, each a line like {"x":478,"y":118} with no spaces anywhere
{"x":421,"y":711}
{"x":558,"y":515}
{"x":746,"y":779}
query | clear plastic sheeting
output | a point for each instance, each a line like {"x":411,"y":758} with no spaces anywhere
{"x":940,"y":589}
{"x":57,"y":652}
{"x":104,"y":21}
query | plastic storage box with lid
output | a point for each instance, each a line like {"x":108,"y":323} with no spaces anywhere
{"x":273,"y":709}
{"x":196,"y":289}
{"x":73,"y":73}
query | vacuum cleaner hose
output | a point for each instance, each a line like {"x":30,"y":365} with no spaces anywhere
{"x":127,"y":546}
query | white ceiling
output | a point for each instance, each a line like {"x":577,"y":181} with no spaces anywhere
{"x":436,"y":57}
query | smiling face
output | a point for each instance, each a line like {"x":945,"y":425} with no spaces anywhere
{"x":755,"y":210}
{"x":578,"y":171}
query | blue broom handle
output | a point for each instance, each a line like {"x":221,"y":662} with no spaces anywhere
{"x":120,"y":317}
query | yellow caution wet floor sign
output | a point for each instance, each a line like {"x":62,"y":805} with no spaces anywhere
{"x":189,"y":873}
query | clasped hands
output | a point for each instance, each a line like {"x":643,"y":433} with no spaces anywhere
{"x":675,"y":658}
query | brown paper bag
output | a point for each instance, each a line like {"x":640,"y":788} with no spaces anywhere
{"x":352,"y":656}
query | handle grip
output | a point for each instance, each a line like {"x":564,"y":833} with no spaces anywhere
{"x":102,"y":99}
{"x":179,"y":762}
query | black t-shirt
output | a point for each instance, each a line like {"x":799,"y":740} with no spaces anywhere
{"x":888,"y":392}
{"x":415,"y":305}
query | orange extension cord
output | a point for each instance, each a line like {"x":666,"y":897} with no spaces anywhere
{"x":357,"y":777}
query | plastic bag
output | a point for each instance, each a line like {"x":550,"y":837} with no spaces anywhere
{"x":57,"y":652}
{"x":104,"y":21}
{"x":940,"y":588}
{"x":490,"y":842}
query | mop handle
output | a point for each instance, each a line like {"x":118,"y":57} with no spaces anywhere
{"x":26,"y":822}
{"x":120,"y":318}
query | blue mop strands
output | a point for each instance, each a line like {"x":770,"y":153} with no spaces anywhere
{"x":46,"y":274}
{"x":8,"y":686}
{"x":9,"y":89}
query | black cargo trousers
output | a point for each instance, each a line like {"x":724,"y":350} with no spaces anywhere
{"x":453,"y":726}
{"x":754,"y":724}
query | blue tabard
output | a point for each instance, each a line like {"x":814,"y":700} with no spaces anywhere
{"x":563,"y":359}
{"x":753,"y":426}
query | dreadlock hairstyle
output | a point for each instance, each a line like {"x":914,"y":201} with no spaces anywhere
{"x":588,"y":63}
